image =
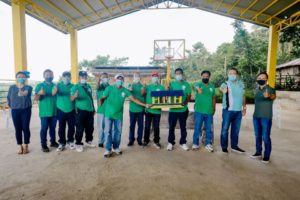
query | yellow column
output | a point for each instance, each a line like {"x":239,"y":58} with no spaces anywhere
{"x":74,"y":55}
{"x":19,"y":34}
{"x":272,"y":55}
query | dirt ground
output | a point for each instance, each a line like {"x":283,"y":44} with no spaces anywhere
{"x":150,"y":173}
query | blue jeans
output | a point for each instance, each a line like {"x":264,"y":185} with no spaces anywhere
{"x":262,"y":129}
{"x":48,"y":122}
{"x":21,"y":120}
{"x":172,"y":119}
{"x":112,"y":132}
{"x":233,"y":119}
{"x":101,"y":126}
{"x":136,"y":117}
{"x":199,"y":119}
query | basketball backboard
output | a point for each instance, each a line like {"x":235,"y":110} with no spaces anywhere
{"x":171,"y":49}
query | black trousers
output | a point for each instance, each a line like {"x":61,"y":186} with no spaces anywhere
{"x":84,"y":121}
{"x":156,"y":120}
{"x":181,"y":117}
{"x":21,"y":120}
{"x":63,"y":120}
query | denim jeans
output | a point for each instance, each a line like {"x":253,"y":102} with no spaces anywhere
{"x":136,"y":117}
{"x":112,"y":132}
{"x":262,"y":129}
{"x":156,"y":120}
{"x":63,"y":120}
{"x":201,"y":118}
{"x":48,"y":122}
{"x":101,"y":125}
{"x":233,"y":119}
{"x":181,"y":117}
{"x":21,"y":120}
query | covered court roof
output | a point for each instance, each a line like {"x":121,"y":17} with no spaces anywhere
{"x":79,"y":14}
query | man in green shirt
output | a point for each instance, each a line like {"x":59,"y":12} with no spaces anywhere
{"x":115,"y":96}
{"x":136,"y":112}
{"x":205,"y":106}
{"x":179,"y":114}
{"x":262,"y":117}
{"x":101,"y":86}
{"x":46,"y":96}
{"x":65,"y":112}
{"x":81,"y":93}
{"x":152,"y":114}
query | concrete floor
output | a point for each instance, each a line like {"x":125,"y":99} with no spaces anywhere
{"x":150,"y":173}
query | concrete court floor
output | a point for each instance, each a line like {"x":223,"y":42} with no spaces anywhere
{"x":150,"y":173}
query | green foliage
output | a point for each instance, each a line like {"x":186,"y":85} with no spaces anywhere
{"x":103,"y":61}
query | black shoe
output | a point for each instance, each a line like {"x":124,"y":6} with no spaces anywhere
{"x":145,"y":144}
{"x":140,"y":143}
{"x":256,"y":155}
{"x":225,"y":151}
{"x":100,"y":145}
{"x":45,"y":148}
{"x":238,"y":150}
{"x":130,"y":144}
{"x":265,"y":160}
{"x":54,"y":144}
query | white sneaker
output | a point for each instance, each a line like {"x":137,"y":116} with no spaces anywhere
{"x":157,"y":145}
{"x":185,"y":147}
{"x":107,"y":154}
{"x":60,"y":148}
{"x":79,"y":148}
{"x":90,"y":144}
{"x":170,"y":147}
{"x":195,"y":147}
{"x":209,"y":148}
{"x":117,"y":151}
{"x":72,"y":145}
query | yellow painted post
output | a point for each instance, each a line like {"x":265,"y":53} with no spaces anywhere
{"x":74,"y":55}
{"x":272,"y":55}
{"x":19,"y":34}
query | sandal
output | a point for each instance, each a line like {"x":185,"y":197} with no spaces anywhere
{"x":25,"y":149}
{"x":21,"y":150}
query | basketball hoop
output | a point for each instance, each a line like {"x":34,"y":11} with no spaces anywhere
{"x":169,"y":53}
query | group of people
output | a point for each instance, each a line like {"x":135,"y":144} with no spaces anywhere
{"x":72,"y":106}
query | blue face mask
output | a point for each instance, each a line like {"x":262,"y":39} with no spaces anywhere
{"x":49,"y":79}
{"x":21,"y":80}
{"x":66,"y":80}
{"x":231,"y":77}
{"x":178,"y":77}
{"x":119,"y":83}
{"x":105,"y":80}
{"x":154,"y":79}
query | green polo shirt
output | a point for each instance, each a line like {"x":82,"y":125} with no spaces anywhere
{"x":136,"y":93}
{"x":263,"y":106}
{"x":185,"y":86}
{"x":115,"y":101}
{"x":83,"y":101}
{"x":64,"y":102}
{"x":99,"y":94}
{"x":149,"y":88}
{"x":47,"y":102}
{"x":204,"y":101}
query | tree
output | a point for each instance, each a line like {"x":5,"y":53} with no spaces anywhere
{"x":103,"y":61}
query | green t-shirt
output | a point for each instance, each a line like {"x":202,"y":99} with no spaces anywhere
{"x":185,"y":86}
{"x":115,"y":101}
{"x":149,"y":88}
{"x":83,"y":101}
{"x":99,"y":94}
{"x":136,"y":93}
{"x":47,"y":102}
{"x":204,"y":101}
{"x":64,"y":102}
{"x":263,"y":106}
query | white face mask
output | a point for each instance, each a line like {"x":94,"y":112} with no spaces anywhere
{"x":82,"y":81}
{"x":136,"y":79}
{"x":104,"y":80}
{"x":66,"y":80}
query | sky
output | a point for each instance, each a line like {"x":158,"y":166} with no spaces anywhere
{"x":128,"y":36}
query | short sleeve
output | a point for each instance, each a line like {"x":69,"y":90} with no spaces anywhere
{"x":106,"y":91}
{"x":73,"y":89}
{"x":188,"y":88}
{"x":127,"y":93}
{"x":214,"y":90}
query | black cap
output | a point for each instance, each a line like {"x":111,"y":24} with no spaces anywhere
{"x":66,"y":73}
{"x":82,"y":73}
